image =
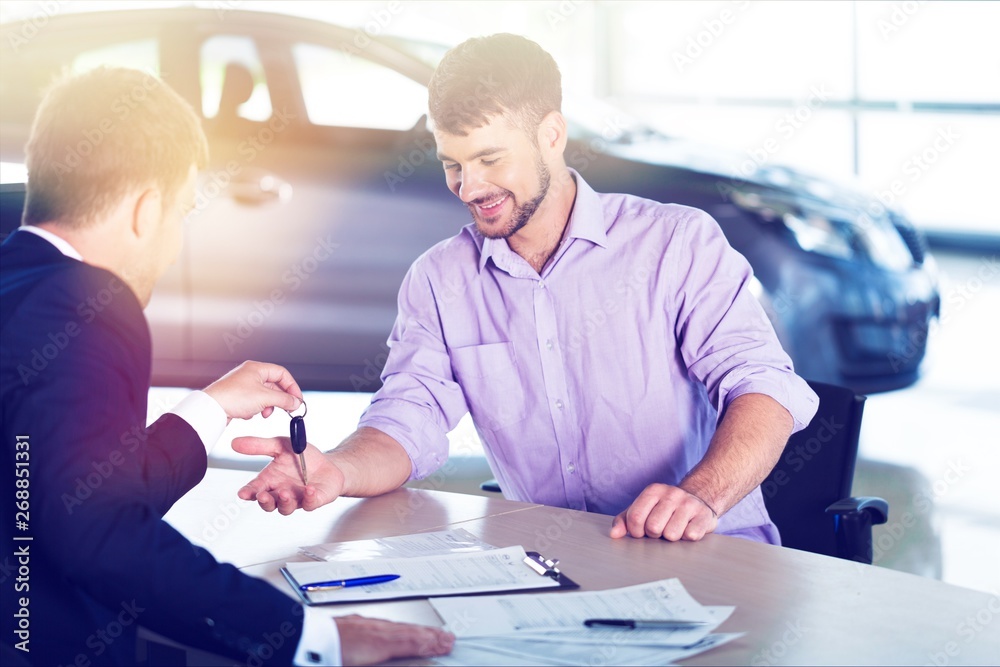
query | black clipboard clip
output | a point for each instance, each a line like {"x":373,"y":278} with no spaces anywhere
{"x":546,"y":567}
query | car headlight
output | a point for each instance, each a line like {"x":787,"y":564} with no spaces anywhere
{"x":815,"y":233}
{"x":834,"y":232}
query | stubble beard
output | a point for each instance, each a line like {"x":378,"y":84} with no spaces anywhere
{"x":522,"y":213}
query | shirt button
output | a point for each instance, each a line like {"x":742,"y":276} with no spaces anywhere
{"x":571,"y":468}
{"x":559,"y":404}
{"x":548,"y":344}
{"x":541,"y":284}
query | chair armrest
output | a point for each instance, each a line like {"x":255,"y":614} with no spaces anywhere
{"x":853,"y":519}
{"x":877,"y":507}
{"x":490,"y":485}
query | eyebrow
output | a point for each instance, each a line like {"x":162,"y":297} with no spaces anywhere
{"x":478,"y":154}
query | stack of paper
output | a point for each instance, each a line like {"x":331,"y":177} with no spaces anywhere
{"x":549,"y":629}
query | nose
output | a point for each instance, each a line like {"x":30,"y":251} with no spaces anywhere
{"x":472,"y":186}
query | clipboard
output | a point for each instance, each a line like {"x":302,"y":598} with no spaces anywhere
{"x":533,"y":560}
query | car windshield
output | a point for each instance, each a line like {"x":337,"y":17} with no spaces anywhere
{"x":588,"y":117}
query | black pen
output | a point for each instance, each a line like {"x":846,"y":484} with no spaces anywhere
{"x":641,"y":624}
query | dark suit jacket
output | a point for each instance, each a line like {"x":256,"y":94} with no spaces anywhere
{"x":74,"y":377}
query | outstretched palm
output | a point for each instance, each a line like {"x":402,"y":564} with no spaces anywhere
{"x":280,"y":486}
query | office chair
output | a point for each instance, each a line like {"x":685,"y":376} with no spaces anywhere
{"x":808,"y":492}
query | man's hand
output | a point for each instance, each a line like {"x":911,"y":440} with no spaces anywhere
{"x":369,"y":641}
{"x":279,"y":485}
{"x":665,"y":511}
{"x":254,"y":387}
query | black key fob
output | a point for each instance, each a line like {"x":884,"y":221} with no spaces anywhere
{"x":297,"y":429}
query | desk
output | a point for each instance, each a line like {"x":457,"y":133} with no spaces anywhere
{"x":796,"y":607}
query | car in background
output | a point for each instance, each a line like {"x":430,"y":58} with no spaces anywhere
{"x":323,"y":187}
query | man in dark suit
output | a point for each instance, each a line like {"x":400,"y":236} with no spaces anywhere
{"x":86,"y":554}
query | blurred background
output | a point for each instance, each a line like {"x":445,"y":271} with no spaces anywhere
{"x":848,"y":149}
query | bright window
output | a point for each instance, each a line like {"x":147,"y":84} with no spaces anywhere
{"x":345,"y":90}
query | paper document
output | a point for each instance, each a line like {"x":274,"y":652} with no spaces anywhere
{"x":549,"y":630}
{"x":447,"y":574}
{"x":400,"y":546}
{"x":515,"y":651}
{"x":504,"y":614}
{"x":641,"y":637}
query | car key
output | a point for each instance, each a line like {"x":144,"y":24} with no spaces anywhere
{"x":297,"y":431}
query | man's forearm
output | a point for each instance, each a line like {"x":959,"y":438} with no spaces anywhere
{"x":373,"y":463}
{"x":744,"y":449}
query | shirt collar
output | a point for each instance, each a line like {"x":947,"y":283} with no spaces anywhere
{"x":61,"y":244}
{"x":586,"y":221}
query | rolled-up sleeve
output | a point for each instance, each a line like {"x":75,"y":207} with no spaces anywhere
{"x":419,"y":401}
{"x":725,"y":338}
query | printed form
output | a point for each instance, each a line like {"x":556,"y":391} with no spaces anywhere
{"x":446,"y":574}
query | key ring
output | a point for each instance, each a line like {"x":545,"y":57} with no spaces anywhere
{"x":305,"y":410}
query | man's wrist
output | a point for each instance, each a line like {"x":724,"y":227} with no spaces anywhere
{"x":205,"y":415}
{"x":700,"y":495}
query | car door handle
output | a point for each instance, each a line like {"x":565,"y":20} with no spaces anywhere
{"x":259,"y":188}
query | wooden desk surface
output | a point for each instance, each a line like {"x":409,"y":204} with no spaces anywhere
{"x":796,"y":607}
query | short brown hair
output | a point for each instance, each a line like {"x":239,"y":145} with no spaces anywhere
{"x":100,"y":134}
{"x":487,"y":76}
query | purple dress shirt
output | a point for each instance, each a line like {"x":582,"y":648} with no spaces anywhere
{"x":604,"y":374}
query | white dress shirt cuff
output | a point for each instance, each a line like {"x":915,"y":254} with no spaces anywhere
{"x":205,"y":416}
{"x":320,"y":641}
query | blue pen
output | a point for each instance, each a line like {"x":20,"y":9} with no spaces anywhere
{"x":347,"y":583}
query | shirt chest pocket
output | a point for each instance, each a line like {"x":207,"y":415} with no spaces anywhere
{"x":489,"y":377}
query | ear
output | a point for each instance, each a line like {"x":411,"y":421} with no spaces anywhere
{"x":147,"y":214}
{"x":552,"y":133}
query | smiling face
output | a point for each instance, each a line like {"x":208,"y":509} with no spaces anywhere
{"x":498,"y":172}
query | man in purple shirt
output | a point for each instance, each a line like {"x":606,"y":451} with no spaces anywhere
{"x":607,"y":346}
